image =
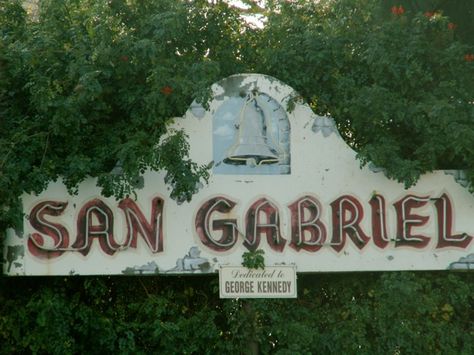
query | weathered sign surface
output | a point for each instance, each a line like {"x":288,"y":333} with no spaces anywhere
{"x":282,"y":181}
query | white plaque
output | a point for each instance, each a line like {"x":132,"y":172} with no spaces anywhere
{"x":271,"y":282}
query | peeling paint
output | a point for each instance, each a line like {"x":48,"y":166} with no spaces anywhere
{"x":459,"y":176}
{"x":148,"y":268}
{"x":325,"y":125}
{"x":464,"y":263}
{"x":19,"y":231}
{"x":197,"y":110}
{"x":232,"y":86}
{"x":192,"y":262}
{"x":139,"y":183}
{"x":14,"y":252}
{"x":235,"y":84}
{"x":372,"y":167}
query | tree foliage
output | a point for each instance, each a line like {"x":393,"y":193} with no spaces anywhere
{"x":373,"y":313}
{"x":87,"y":88}
{"x":91,"y":86}
{"x":398,"y":84}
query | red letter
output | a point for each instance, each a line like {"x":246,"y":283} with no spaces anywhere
{"x":301,"y":226}
{"x":445,"y":222}
{"x":151,"y":232}
{"x":343,"y":225}
{"x":271,"y":226}
{"x":379,"y":227}
{"x":227,"y":226}
{"x":406,"y":220}
{"x":103,"y":230}
{"x":57,"y":232}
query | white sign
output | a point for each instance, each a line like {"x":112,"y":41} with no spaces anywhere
{"x":282,"y":181}
{"x":271,"y":282}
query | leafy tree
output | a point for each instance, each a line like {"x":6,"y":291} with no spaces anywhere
{"x":90,"y":87}
{"x":398,"y":84}
{"x":370,"y":313}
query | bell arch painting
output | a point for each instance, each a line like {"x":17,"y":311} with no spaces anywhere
{"x":251,"y":134}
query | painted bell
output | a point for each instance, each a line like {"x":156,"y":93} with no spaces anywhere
{"x":253,"y":144}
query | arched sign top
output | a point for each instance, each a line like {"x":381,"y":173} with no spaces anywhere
{"x":249,"y":129}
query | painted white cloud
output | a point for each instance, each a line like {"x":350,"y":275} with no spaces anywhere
{"x":224,"y":131}
{"x":228,"y":116}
